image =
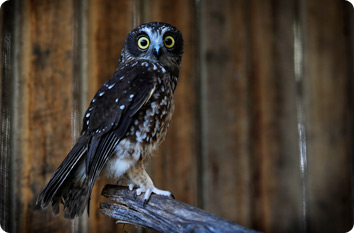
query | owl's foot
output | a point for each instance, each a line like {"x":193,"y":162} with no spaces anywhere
{"x":149,"y":190}
{"x":138,"y":177}
{"x":131,"y":187}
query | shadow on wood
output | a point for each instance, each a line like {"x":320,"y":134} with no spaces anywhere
{"x":162,"y":213}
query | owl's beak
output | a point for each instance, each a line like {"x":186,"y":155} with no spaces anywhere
{"x":157,"y":51}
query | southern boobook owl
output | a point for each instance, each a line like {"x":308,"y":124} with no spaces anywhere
{"x":126,"y":121}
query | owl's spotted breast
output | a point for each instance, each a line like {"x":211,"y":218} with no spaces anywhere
{"x":149,"y":125}
{"x":152,"y":121}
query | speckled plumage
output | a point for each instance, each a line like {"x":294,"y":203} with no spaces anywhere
{"x":126,"y":121}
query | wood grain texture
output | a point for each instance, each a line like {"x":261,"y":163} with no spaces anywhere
{"x":162,"y":213}
{"x":227,"y":188}
{"x":276,"y":160}
{"x":327,"y":120}
{"x":7,"y":86}
{"x":43,"y":107}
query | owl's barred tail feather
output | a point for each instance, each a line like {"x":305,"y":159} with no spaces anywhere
{"x":65,"y":186}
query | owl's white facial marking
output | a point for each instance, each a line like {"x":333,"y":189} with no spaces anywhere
{"x":156,"y":37}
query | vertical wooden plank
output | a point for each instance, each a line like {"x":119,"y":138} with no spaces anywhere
{"x":175,"y":166}
{"x":250,"y":73}
{"x":108,"y":24}
{"x":327,"y":117}
{"x":80,"y":71}
{"x":227,"y":187}
{"x":276,"y":160}
{"x":7,"y":41}
{"x":43,"y":107}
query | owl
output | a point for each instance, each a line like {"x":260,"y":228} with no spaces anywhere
{"x":125,"y":122}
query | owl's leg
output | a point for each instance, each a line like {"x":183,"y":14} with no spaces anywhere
{"x":139,"y":178}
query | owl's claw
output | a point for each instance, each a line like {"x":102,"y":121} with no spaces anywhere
{"x":149,"y":191}
{"x":131,"y":187}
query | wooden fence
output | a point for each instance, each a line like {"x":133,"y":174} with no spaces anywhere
{"x":263,"y":130}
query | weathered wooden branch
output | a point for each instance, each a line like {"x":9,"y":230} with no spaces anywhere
{"x":162,"y":214}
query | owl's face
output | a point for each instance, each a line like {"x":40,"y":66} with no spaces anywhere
{"x":158,"y":42}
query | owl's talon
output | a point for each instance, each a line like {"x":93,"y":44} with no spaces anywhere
{"x":144,"y":202}
{"x":139,"y":191}
{"x":131,"y":187}
{"x":149,"y":191}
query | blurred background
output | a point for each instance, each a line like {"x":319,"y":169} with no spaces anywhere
{"x":263,"y":128}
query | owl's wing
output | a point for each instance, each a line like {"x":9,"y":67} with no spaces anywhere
{"x":128,"y":89}
{"x":112,"y":109}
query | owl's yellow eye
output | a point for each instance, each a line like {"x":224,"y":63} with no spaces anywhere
{"x":143,"y":42}
{"x":169,"y":42}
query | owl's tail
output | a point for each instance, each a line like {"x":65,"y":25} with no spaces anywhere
{"x":68,"y":185}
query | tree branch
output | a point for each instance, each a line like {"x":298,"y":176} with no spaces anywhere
{"x":162,"y":213}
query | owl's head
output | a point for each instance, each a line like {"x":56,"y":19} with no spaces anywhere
{"x":158,"y":42}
